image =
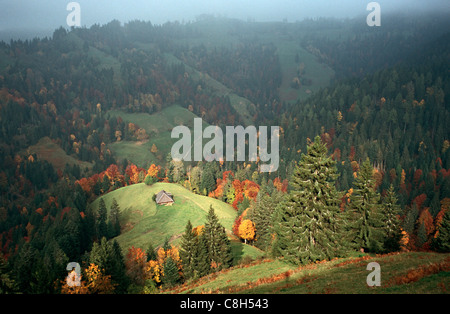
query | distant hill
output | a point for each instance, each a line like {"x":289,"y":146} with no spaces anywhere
{"x":143,"y":222}
{"x":158,"y":127}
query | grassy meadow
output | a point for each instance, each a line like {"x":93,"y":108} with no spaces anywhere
{"x":50,"y":151}
{"x":401,"y":273}
{"x":159,"y":127}
{"x":143,"y":222}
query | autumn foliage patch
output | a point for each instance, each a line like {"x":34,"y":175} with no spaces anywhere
{"x":420,"y":272}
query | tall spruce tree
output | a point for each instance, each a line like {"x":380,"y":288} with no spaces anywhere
{"x":441,"y":242}
{"x":261,"y":215}
{"x":108,"y":256}
{"x":391,"y":212}
{"x":308,"y":223}
{"x":187,"y":251}
{"x":151,"y":254}
{"x":202,"y":265}
{"x":208,"y":179}
{"x":171,"y":274}
{"x":118,"y":269}
{"x":102,"y":227}
{"x":114,"y":219}
{"x":364,"y":212}
{"x":217,"y":242}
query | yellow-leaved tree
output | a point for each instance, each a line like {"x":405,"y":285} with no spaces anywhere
{"x":247,"y":230}
{"x":96,"y":282}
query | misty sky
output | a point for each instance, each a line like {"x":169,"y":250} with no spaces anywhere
{"x":50,"y":14}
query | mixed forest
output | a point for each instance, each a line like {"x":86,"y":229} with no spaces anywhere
{"x":364,"y":159}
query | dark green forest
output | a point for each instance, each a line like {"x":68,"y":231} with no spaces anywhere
{"x":374,"y":139}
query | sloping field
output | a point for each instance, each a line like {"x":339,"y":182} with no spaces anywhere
{"x":159,"y":127}
{"x":240,"y":104}
{"x":404,"y":273}
{"x":143,"y":222}
{"x":46,"y":149}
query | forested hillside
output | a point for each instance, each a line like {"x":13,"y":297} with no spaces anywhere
{"x":363,"y":111}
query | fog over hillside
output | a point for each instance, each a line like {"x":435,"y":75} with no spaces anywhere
{"x":28,"y":18}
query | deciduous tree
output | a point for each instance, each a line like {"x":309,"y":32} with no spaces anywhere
{"x":94,"y":282}
{"x":136,"y":264}
{"x":247,"y":230}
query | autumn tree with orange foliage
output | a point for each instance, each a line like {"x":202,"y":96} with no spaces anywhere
{"x":152,"y":174}
{"x":404,"y":240}
{"x":136,"y":265}
{"x":218,"y":193}
{"x":280,"y":185}
{"x":135,"y":174}
{"x":426,"y":219}
{"x":155,"y":269}
{"x":114,"y":175}
{"x":198,"y":230}
{"x":247,"y":230}
{"x":233,"y":191}
{"x":96,"y":282}
{"x":236,"y":224}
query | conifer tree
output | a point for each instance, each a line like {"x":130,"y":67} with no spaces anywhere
{"x":202,"y":265}
{"x":217,"y":243}
{"x":422,"y":236}
{"x":105,"y":184}
{"x":392,"y":229}
{"x":364,"y":212}
{"x":441,"y":242}
{"x":208,"y":180}
{"x":151,"y":254}
{"x":89,"y":228}
{"x":7,"y":283}
{"x":308,"y":223}
{"x":411,"y":216}
{"x":187,"y":251}
{"x":114,"y":223}
{"x":166,"y":246}
{"x":261,"y":215}
{"x":171,"y":275}
{"x":108,"y":257}
{"x":117,"y":268}
{"x":102,"y":227}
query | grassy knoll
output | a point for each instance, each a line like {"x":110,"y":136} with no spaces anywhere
{"x":144,"y":222}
